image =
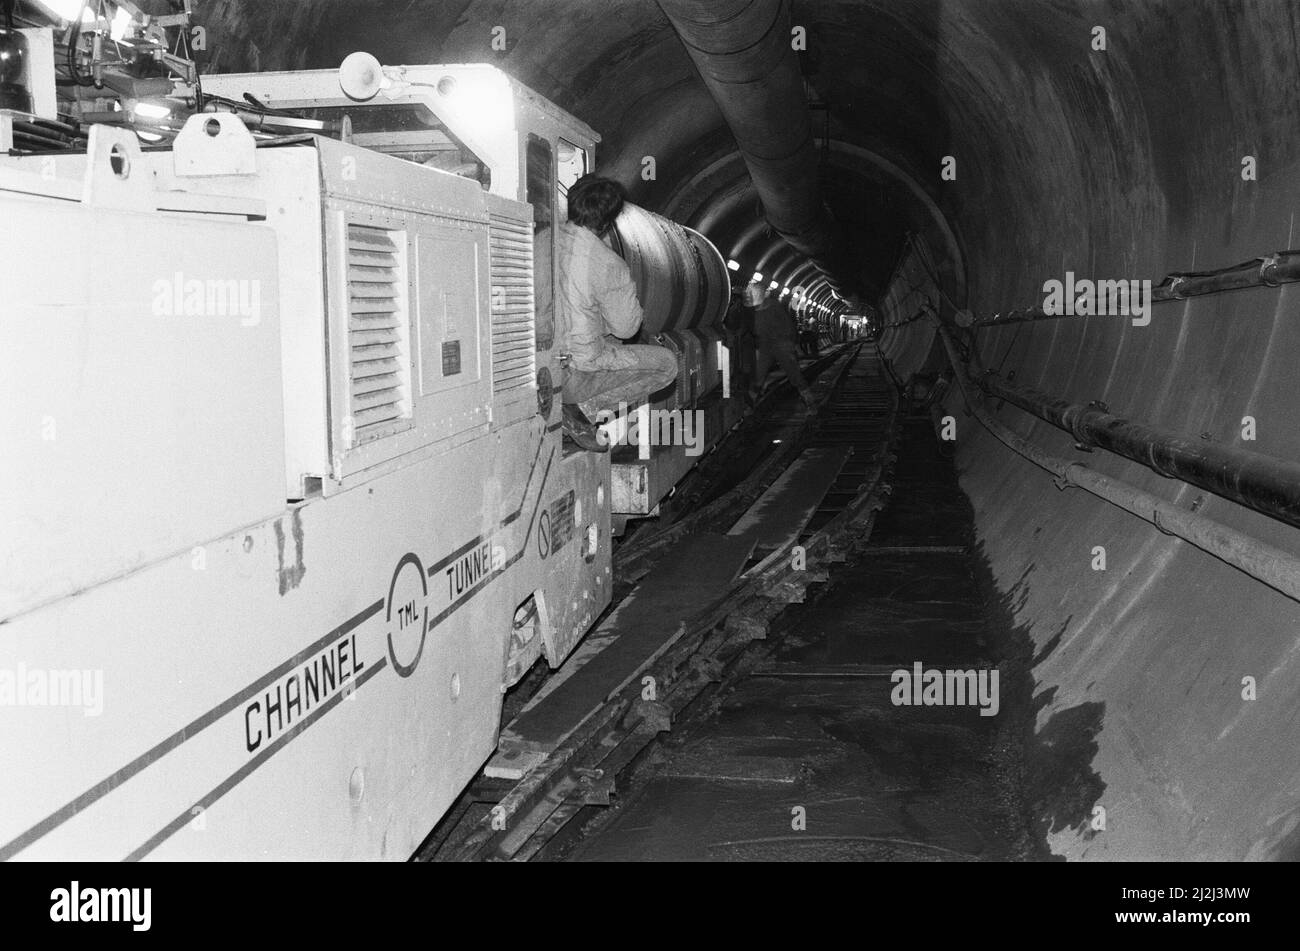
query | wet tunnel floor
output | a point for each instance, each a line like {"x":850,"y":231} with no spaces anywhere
{"x":813,"y":735}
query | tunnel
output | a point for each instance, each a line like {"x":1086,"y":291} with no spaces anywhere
{"x":1015,"y":141}
{"x":1064,"y":228}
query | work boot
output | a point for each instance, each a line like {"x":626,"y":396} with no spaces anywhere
{"x":583,"y":431}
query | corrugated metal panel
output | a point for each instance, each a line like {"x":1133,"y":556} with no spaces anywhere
{"x":513,"y":324}
{"x":377,"y":328}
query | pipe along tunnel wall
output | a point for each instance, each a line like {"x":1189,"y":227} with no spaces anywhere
{"x":1116,"y":163}
{"x":1128,"y":164}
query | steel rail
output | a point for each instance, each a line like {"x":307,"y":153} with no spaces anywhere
{"x":711,"y":644}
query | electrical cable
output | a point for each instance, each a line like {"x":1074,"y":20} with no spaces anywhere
{"x":1007,"y":352}
{"x":181,"y":49}
{"x":198,"y":78}
{"x":74,"y":40}
{"x":1274,"y":567}
{"x":250,"y":105}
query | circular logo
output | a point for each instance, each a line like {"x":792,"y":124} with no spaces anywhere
{"x":408,"y":614}
{"x":544,"y":534}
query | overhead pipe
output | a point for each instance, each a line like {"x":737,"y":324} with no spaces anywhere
{"x":1281,"y":267}
{"x":743,"y":52}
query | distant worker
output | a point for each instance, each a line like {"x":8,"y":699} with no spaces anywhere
{"x":596,"y":309}
{"x":774,"y":333}
{"x":808,"y":341}
{"x":740,"y":321}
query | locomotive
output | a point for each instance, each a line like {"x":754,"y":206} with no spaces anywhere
{"x":286,"y":507}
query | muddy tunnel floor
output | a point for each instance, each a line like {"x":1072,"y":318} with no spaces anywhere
{"x":809,"y":758}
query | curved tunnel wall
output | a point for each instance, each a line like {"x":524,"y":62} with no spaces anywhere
{"x":1115,"y":163}
{"x":1127,"y":164}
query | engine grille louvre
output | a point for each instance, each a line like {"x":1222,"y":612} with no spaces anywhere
{"x":513,"y":325}
{"x":377,"y":329}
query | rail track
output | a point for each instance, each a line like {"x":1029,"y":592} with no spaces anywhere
{"x":515,"y":820}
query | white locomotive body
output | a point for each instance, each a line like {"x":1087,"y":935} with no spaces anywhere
{"x":284,"y":501}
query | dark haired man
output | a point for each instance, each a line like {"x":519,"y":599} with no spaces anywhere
{"x":774,"y":332}
{"x":597,"y":308}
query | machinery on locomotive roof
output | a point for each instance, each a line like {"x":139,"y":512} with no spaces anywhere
{"x":286,"y":507}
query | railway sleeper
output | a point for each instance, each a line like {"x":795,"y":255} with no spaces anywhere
{"x":711,"y":652}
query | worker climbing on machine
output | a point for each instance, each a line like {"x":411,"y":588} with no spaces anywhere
{"x":597,"y":309}
{"x":774,"y":332}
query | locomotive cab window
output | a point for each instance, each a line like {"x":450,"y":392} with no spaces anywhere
{"x":540,"y":171}
{"x":407,"y":130}
{"x":571,"y":165}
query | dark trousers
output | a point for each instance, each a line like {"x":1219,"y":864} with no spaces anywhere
{"x":780,"y":352}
